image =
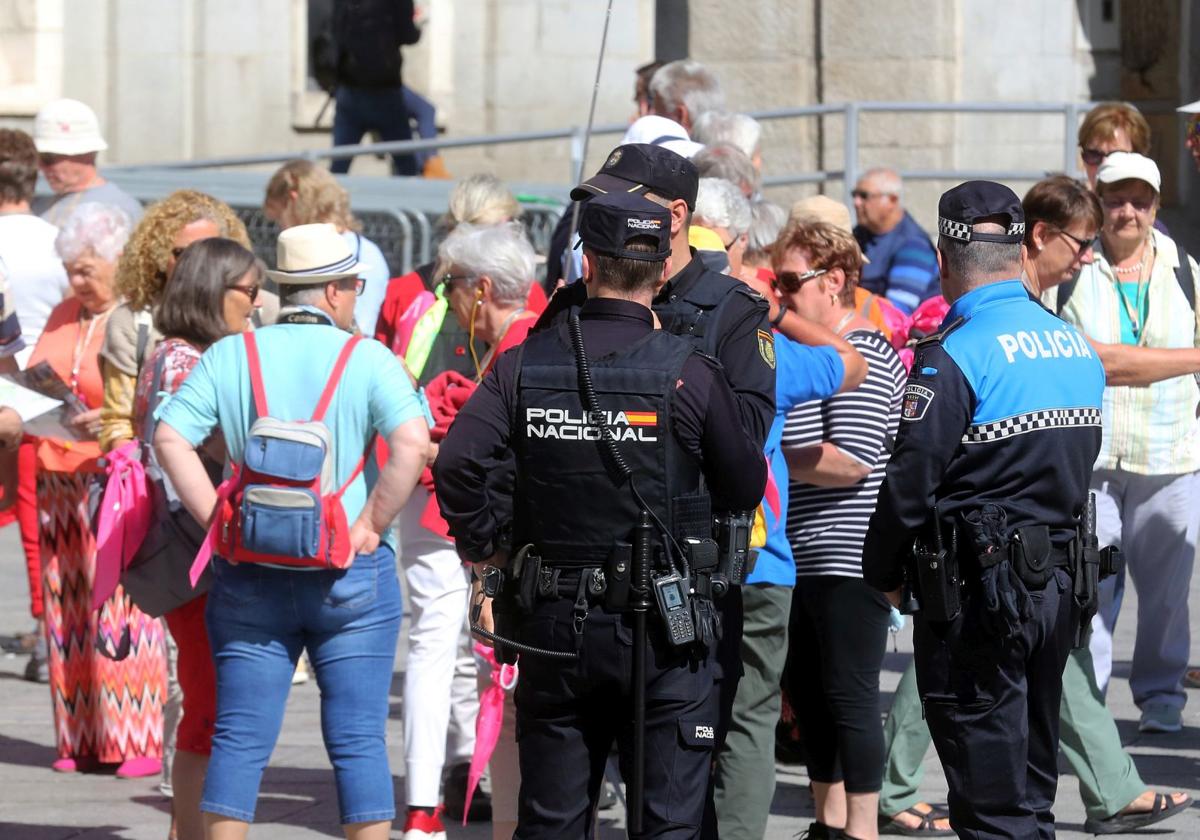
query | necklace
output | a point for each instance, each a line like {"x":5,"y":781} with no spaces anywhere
{"x":1142,"y":290}
{"x":846,"y":319}
{"x":483,"y":364}
{"x":82,"y":342}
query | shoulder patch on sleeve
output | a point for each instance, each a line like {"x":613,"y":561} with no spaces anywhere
{"x":933,"y":338}
{"x":917,"y":399}
{"x":766,"y":347}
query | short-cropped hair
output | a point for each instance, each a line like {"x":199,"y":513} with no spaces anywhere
{"x":502,"y":252}
{"x":1061,"y":201}
{"x":193,"y":302}
{"x":102,"y":229}
{"x":688,"y":83}
{"x":721,"y":127}
{"x":18,"y":166}
{"x":628,"y":275}
{"x":730,"y":163}
{"x":719,"y":203}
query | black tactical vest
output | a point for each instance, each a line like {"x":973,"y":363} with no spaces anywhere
{"x":566,"y":503}
{"x":695,"y":313}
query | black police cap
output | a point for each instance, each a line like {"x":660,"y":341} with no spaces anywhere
{"x":640,"y":167}
{"x":608,"y":222}
{"x":969,"y":202}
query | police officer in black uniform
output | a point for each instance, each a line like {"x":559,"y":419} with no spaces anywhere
{"x":1000,"y":426}
{"x":669,"y":446}
{"x":722,"y":317}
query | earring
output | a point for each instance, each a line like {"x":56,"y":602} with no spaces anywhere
{"x":833,"y":300}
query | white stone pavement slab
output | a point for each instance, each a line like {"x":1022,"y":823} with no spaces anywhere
{"x":298,"y":801}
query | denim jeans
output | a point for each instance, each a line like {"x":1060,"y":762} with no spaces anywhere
{"x":259,"y":621}
{"x":382,"y":110}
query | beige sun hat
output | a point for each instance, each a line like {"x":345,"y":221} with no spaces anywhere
{"x":312,"y":254}
{"x":822,"y":208}
{"x":67,"y":127}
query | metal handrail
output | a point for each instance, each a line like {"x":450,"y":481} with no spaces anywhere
{"x":849,"y":111}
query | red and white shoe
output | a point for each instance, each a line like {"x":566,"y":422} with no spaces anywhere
{"x":424,"y":824}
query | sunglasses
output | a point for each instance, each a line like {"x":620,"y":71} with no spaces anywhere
{"x":1095,"y":157}
{"x":866,"y":196}
{"x":1113,"y":203}
{"x":250,"y":291}
{"x":1081,"y":245}
{"x":448,"y":280}
{"x":790,"y":282}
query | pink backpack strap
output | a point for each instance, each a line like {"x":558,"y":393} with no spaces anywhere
{"x":335,"y":376}
{"x":256,"y":380}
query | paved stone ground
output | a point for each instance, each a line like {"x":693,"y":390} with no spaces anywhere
{"x":298,"y":799}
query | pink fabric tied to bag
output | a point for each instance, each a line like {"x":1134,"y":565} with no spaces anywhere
{"x":489,"y":720}
{"x":124,"y":520}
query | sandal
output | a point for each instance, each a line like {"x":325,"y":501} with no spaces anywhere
{"x":1191,"y":678}
{"x":1119,"y":823}
{"x":925,"y":829}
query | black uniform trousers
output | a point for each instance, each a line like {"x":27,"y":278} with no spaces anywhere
{"x":569,"y":714}
{"x":992,"y":708}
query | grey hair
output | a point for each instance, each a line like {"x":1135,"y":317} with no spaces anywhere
{"x":302,"y":294}
{"x":973,"y":263}
{"x":101,"y":228}
{"x":766,"y":221}
{"x":719,"y":203}
{"x":502,"y":252}
{"x":721,"y":127}
{"x":887,"y":180}
{"x":730,"y":163}
{"x":480,"y":199}
{"x":688,"y":83}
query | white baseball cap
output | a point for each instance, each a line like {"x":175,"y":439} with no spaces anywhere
{"x":660,"y":131}
{"x":1122,"y":166}
{"x":312,"y":254}
{"x":1190,"y":108}
{"x":67,"y":127}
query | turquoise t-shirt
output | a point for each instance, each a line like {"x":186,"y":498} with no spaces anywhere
{"x":1133,"y":302}
{"x":374,"y":395}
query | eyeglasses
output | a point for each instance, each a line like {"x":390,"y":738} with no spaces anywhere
{"x":866,"y":196}
{"x":790,"y":282}
{"x":360,"y":284}
{"x":250,"y":291}
{"x":1112,"y":203}
{"x":1081,"y":245}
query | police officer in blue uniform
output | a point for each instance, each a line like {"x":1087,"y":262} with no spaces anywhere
{"x":979,"y":518}
{"x":624,"y":439}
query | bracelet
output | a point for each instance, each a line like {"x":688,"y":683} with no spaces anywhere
{"x":778,"y":319}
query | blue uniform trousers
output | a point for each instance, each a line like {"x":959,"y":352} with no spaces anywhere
{"x":992,"y":708}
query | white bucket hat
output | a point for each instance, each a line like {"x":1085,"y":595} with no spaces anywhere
{"x":313,"y":254}
{"x":67,"y":127}
{"x":1122,"y":166}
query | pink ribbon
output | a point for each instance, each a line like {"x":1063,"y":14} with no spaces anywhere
{"x":489,"y":720}
{"x":204,"y":555}
{"x":125,"y":514}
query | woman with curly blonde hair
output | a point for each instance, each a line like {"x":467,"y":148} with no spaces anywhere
{"x":169,"y":226}
{"x":302,"y":193}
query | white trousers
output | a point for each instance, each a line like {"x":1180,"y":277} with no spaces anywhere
{"x":1154,"y":520}
{"x":440,"y":700}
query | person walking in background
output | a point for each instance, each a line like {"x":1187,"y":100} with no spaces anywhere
{"x":303,"y":193}
{"x":369,"y":95}
{"x":108,"y":708}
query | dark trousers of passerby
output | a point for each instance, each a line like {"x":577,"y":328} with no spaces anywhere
{"x":992,"y":707}
{"x":381,"y":110}
{"x":836,"y":642}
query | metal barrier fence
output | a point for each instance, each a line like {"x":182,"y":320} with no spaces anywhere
{"x":400,"y":214}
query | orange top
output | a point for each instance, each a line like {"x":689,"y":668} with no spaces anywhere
{"x":70,"y":344}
